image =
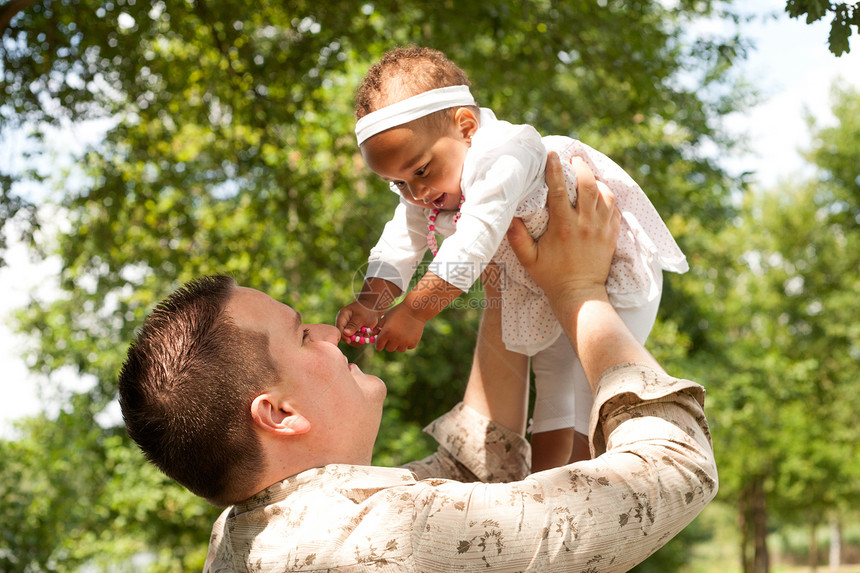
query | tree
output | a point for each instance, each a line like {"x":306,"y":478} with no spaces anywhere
{"x":80,"y":497}
{"x":845,"y":15}
{"x":787,"y":342}
{"x":231,"y":150}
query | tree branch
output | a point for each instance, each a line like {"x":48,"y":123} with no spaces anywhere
{"x":10,"y":9}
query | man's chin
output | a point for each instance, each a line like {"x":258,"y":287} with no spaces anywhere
{"x":358,"y":374}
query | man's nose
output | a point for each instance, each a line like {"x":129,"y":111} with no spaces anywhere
{"x":325,"y":332}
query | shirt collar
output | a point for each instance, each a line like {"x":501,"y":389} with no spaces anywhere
{"x":351,"y":480}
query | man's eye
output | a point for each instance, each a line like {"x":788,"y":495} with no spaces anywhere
{"x":305,"y":333}
{"x":400,"y":184}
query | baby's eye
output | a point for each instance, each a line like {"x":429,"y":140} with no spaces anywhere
{"x":421,"y":170}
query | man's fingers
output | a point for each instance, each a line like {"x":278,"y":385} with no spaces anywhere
{"x":607,"y":197}
{"x":586,"y":186}
{"x":521,"y":242}
{"x":556,"y":195}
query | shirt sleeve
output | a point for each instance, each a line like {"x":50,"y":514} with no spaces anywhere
{"x":656,"y":472}
{"x":401,"y":246}
{"x":504,"y":165}
{"x":473,"y":448}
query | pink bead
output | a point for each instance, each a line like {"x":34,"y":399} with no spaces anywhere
{"x":432,"y":217}
{"x":432,"y":227}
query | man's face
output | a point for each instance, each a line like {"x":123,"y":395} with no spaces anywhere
{"x":342,"y":403}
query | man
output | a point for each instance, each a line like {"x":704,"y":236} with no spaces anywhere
{"x":310,"y":499}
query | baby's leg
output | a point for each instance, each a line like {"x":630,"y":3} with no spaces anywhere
{"x":502,"y":393}
{"x":558,"y":448}
{"x":562,"y":407}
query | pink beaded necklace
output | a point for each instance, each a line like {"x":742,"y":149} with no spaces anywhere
{"x":431,"y":226}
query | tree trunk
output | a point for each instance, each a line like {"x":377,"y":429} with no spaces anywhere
{"x":745,"y":567}
{"x":762,"y":559}
{"x":744,"y":526}
{"x":753,"y":525}
{"x":812,"y":558}
{"x":835,"y":543}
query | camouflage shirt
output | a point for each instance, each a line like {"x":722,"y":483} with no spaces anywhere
{"x":653,"y":473}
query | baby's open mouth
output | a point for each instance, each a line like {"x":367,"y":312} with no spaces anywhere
{"x":438,"y":201}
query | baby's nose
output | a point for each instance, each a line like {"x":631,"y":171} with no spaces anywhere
{"x":421,"y":192}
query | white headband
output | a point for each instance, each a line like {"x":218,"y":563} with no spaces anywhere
{"x":411,"y":109}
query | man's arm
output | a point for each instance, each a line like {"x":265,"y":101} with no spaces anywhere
{"x":498,"y":382}
{"x":582,"y":240}
{"x":656,"y":468}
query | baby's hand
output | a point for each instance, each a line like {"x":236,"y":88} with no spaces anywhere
{"x":399,"y":330}
{"x":353,"y":317}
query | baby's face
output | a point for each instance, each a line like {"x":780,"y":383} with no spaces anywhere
{"x":425,"y":167}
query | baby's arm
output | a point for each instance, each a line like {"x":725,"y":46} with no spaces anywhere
{"x":375,"y":297}
{"x":401,"y":328}
{"x":390,"y":266}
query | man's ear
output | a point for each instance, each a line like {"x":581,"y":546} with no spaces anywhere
{"x":467,"y":123}
{"x":273,"y":414}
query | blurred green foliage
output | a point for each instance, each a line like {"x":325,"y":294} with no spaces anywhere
{"x":230,"y":150}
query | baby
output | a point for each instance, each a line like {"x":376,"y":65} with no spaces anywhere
{"x":464,"y":174}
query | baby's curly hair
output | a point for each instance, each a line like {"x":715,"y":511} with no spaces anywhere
{"x":403,"y":72}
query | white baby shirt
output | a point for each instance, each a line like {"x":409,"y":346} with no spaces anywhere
{"x":503,"y":178}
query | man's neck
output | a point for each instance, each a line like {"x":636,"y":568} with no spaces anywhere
{"x":286,"y":460}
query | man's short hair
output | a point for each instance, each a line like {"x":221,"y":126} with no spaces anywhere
{"x":186,"y":390}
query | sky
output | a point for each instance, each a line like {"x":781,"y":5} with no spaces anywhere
{"x":790,"y":65}
{"x":794,"y":71}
